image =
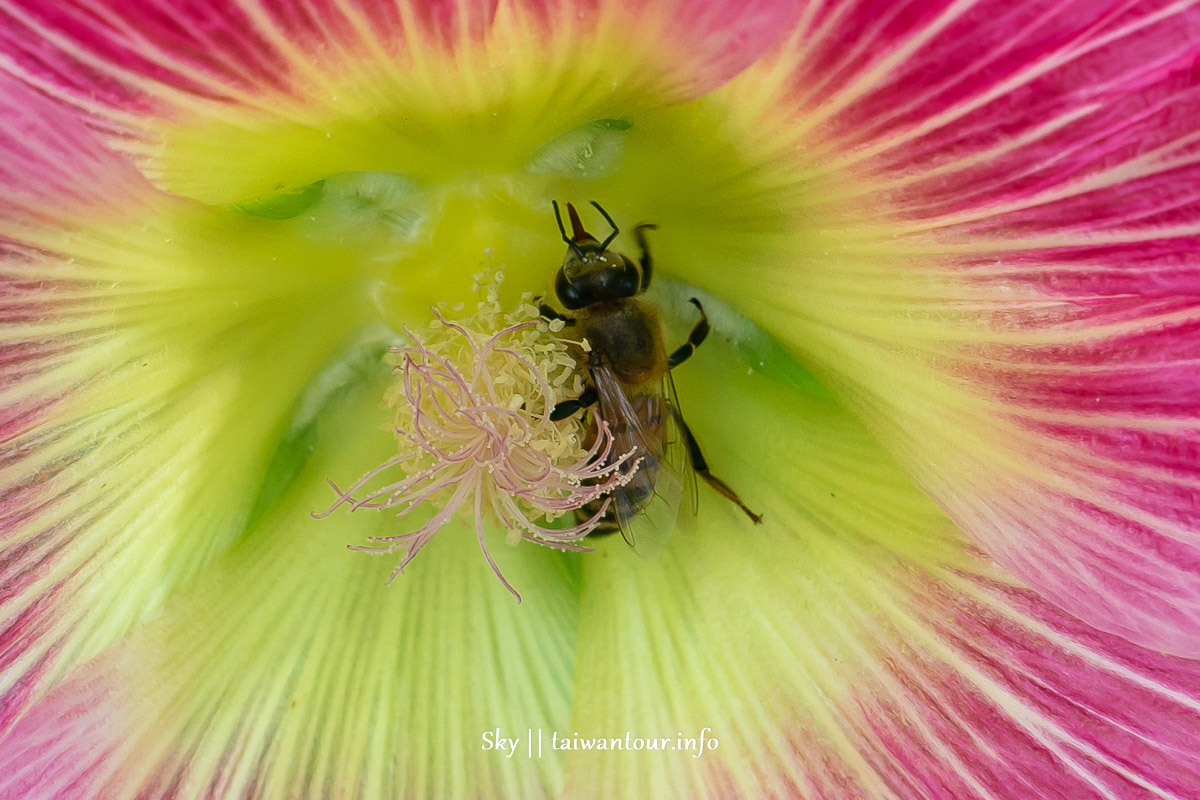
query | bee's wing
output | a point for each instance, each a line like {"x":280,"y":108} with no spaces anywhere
{"x":647,"y":507}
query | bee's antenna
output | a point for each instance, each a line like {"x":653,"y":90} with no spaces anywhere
{"x":604,"y":245}
{"x":571,"y":244}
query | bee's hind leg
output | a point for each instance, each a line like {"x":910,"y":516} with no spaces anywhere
{"x":700,"y":465}
{"x":607,"y":524}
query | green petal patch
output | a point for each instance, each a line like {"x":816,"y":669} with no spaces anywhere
{"x":589,"y":151}
{"x":178,"y":340}
{"x":284,"y":205}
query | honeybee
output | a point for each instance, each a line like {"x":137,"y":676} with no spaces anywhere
{"x":629,"y":377}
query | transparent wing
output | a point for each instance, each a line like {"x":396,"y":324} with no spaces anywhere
{"x":647,"y":507}
{"x":678,"y":454}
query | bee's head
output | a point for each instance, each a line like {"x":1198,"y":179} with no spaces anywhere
{"x":589,"y":272}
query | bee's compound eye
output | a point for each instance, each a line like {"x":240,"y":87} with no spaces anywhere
{"x":568,"y":293}
{"x":629,"y":282}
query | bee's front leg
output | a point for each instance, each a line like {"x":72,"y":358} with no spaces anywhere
{"x":549,"y":313}
{"x":568,"y":407}
{"x":695,"y":339}
{"x":646,"y":262}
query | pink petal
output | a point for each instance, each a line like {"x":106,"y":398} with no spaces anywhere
{"x":995,"y":693}
{"x":1017,"y":311}
{"x":150,"y":54}
{"x":720,"y":38}
{"x":975,"y":689}
{"x":112,"y":52}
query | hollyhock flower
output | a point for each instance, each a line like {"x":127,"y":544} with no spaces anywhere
{"x":949,"y":253}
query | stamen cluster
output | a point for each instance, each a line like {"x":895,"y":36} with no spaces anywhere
{"x":473,"y":399}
